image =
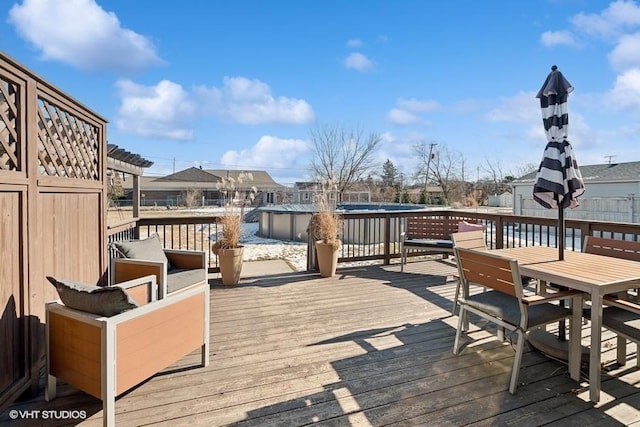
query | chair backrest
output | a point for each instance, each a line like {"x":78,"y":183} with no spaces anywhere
{"x":426,"y":227}
{"x":616,"y":248}
{"x":492,"y":271}
{"x":469,"y":240}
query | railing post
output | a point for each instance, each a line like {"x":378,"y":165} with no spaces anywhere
{"x":499,"y":232}
{"x":387,"y":239}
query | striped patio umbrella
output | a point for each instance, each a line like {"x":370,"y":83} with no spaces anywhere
{"x":558,"y":182}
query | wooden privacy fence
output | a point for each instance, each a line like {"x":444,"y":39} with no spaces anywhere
{"x":52,"y":193}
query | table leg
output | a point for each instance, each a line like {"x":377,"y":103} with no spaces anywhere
{"x":596,"y":344}
{"x":575,"y":338}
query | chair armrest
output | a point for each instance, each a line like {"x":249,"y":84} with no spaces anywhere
{"x":541,"y":299}
{"x":186,"y":259}
{"x":622,"y":303}
{"x":124,"y":269}
{"x":143,"y":289}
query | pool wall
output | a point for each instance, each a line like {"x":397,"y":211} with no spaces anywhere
{"x":291,"y":223}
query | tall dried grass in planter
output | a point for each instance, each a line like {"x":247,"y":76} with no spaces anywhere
{"x":228,"y":247}
{"x":231,"y":230}
{"x":327,"y":230}
{"x":327,"y":227}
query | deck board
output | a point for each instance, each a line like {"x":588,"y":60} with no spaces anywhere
{"x":370,"y":346}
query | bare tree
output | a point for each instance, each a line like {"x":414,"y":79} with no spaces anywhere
{"x":342,"y":156}
{"x":525,"y":169}
{"x":444,"y":168}
{"x":192,"y":197}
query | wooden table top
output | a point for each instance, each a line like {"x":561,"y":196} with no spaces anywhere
{"x":582,"y":271}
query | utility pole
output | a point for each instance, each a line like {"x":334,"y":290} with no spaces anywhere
{"x":426,"y":177}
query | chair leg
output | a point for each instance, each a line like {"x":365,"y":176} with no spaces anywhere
{"x":461,"y":318}
{"x":50,"y":390}
{"x":621,"y":350}
{"x":455,"y":297}
{"x":517,"y":361}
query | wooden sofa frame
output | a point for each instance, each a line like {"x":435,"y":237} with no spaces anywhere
{"x":106,"y":356}
{"x":428,"y":234}
{"x":124,"y":269}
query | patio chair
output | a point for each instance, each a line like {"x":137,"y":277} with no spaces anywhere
{"x":622,"y":317}
{"x":175,"y":270}
{"x":467,"y":240}
{"x":505,"y":303}
{"x":106,"y":340}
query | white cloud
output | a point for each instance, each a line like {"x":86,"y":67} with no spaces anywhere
{"x":163,"y":110}
{"x":354,"y":43}
{"x":523,"y":107}
{"x":82,"y":34}
{"x":418,"y":106}
{"x":251,"y":102}
{"x":167,"y":110}
{"x":402,"y":117}
{"x":626,"y":91}
{"x":558,"y":38}
{"x":270,"y":152}
{"x":407,"y":111}
{"x":626,"y":54}
{"x":358,"y":61}
{"x":620,"y":16}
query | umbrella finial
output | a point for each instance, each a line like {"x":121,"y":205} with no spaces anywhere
{"x":554,"y":67}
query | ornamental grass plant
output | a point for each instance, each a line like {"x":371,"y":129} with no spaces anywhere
{"x":327,"y":222}
{"x":234,"y":203}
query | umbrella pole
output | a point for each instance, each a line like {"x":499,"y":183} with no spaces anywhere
{"x":561,"y":325}
{"x":561,"y":234}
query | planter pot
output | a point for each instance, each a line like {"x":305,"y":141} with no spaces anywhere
{"x":327,"y":258}
{"x":230,"y":261}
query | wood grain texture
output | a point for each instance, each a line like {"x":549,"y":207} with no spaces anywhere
{"x":370,"y":345}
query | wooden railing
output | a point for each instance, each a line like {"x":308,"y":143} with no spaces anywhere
{"x":375,"y":236}
{"x":189,"y":232}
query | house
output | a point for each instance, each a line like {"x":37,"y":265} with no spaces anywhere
{"x":612,"y":193}
{"x":305,"y":193}
{"x":207,"y":187}
{"x":433,"y":193}
{"x":504,"y":200}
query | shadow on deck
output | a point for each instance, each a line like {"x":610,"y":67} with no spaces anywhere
{"x":370,"y":346}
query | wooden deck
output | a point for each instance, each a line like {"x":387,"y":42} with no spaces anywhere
{"x":371,"y":346}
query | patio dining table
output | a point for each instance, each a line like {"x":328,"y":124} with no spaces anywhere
{"x":596,"y":275}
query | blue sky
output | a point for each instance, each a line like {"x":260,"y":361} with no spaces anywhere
{"x":240,"y":84}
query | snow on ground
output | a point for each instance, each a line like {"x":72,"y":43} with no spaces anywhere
{"x":258,"y":248}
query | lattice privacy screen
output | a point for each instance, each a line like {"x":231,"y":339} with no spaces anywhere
{"x":67,"y":145}
{"x":9,"y":150}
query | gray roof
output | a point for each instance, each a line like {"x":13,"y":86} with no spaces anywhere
{"x":191,"y":175}
{"x":206,"y":179}
{"x":629,"y":171}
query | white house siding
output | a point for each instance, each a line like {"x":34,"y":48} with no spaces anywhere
{"x":614,"y":209}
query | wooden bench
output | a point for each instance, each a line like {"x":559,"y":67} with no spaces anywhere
{"x":428,"y":234}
